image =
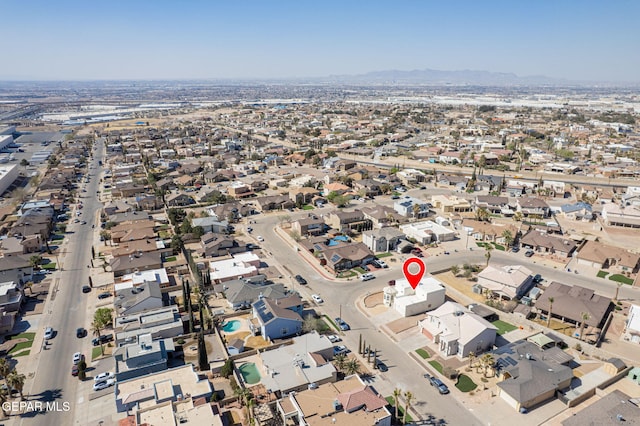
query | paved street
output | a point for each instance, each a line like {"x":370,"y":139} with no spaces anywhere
{"x":66,"y":311}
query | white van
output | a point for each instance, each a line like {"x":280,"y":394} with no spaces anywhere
{"x":367,"y":277}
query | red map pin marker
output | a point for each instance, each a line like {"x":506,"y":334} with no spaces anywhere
{"x":414,"y":279}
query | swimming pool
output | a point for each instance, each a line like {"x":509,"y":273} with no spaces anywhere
{"x":249,"y":373}
{"x":231,"y":326}
{"x":335,"y":240}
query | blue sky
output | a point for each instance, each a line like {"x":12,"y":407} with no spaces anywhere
{"x":68,"y":40}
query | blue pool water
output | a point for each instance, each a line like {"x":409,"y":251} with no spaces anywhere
{"x":231,"y":326}
{"x":335,"y":240}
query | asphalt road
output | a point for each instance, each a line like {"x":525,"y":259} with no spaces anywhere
{"x":339,"y":298}
{"x":53,"y":380}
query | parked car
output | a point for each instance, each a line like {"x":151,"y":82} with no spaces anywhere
{"x":316,"y":298}
{"x":340,"y":350}
{"x":104,"y":296}
{"x":80,"y":332}
{"x":77,"y":357}
{"x":529,"y":253}
{"x":259,"y":238}
{"x":103,"y":385}
{"x":105,"y":338}
{"x":537,"y":278}
{"x":442,"y":388}
{"x":382,"y":264}
{"x":74,"y":370}
{"x":343,"y":325}
{"x":86,"y":289}
{"x":48,"y":333}
{"x":366,"y":277}
{"x":515,"y":249}
{"x":103,"y":377}
{"x":333,"y":338}
{"x":300,"y":280}
{"x":379,"y":365}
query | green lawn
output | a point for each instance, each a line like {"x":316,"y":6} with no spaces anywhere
{"x":22,"y":345}
{"x":307,"y":207}
{"x":381,"y":255}
{"x":170,"y":259}
{"x":465,"y":384}
{"x":481,"y":244}
{"x":330,"y":321}
{"x":23,"y":353}
{"x":602,"y":274}
{"x":392,"y":402}
{"x":436,"y":365}
{"x":621,"y":279}
{"x":499,"y":247}
{"x":423,"y":353}
{"x":359,"y":269}
{"x":503,"y":327}
{"x":50,"y":266}
{"x":348,"y":274}
{"x":163,"y":234}
{"x":96,"y":352}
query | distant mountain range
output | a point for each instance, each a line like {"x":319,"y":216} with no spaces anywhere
{"x":439,"y":77}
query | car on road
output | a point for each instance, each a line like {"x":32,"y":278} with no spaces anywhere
{"x":74,"y":370}
{"x":249,"y":229}
{"x":379,"y":365}
{"x":48,"y":333}
{"x":333,"y":338}
{"x":316,"y":298}
{"x":259,"y":238}
{"x":366,"y":277}
{"x":86,"y":289}
{"x":105,"y":338}
{"x":103,"y":377}
{"x":343,"y":325}
{"x":528,"y":253}
{"x":442,"y":388}
{"x":81,"y":332}
{"x":103,"y":385}
{"x":340,"y":350}
{"x":447,"y":252}
{"x":77,"y":357}
{"x":300,"y":280}
{"x":104,"y":296}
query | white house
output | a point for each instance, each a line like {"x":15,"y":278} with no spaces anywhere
{"x":428,"y":295}
{"x":458,"y":331}
{"x":405,"y":207}
{"x":427,"y":232}
{"x":632,"y":330}
{"x":508,"y":282}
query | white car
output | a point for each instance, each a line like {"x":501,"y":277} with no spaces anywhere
{"x":316,"y":298}
{"x":103,"y":377}
{"x":340,"y":350}
{"x":333,"y":338}
{"x":382,"y":264}
{"x":48,"y":333}
{"x":77,"y":357}
{"x":259,"y":238}
{"x":366,"y":277}
{"x":103,"y":385}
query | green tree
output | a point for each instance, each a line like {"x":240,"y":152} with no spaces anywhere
{"x":227,"y":368}
{"x":203,"y":359}
{"x":508,"y":237}
{"x":488,"y":248}
{"x":340,"y":361}
{"x":82,"y":370}
{"x":96,"y":330}
{"x":584,"y":316}
{"x":352,"y":367}
{"x":482,"y":214}
{"x":310,"y":323}
{"x":16,"y":381}
{"x":408,"y":400}
{"x":551,"y":300}
{"x":396,"y":395}
{"x":4,"y":397}
{"x":103,"y":316}
{"x":455,"y":270}
{"x":35,"y":261}
{"x":5,"y":369}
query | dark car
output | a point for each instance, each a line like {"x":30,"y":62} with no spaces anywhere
{"x":105,"y":338}
{"x":442,"y":388}
{"x":529,"y":253}
{"x":537,"y":278}
{"x":300,"y":280}
{"x":515,"y":249}
{"x":81,"y":332}
{"x":381,"y":366}
{"x":74,"y":370}
{"x":104,"y":296}
{"x":86,"y":289}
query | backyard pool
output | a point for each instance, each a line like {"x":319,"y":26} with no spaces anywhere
{"x":231,"y":326}
{"x":249,"y":373}
{"x":335,"y":240}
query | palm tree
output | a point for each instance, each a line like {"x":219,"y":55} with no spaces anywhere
{"x":618,"y":285}
{"x":508,"y":237}
{"x":5,"y":369}
{"x":416,"y":210}
{"x":396,"y":394}
{"x":96,"y":330}
{"x":455,"y":270}
{"x":4,"y":397}
{"x":487,"y":362}
{"x":551,"y":300}
{"x":472,"y":357}
{"x":408,"y":399}
{"x":482,"y":214}
{"x":340,"y":361}
{"x":585,"y":317}
{"x":352,"y":367}
{"x":488,"y":248}
{"x":16,"y":381}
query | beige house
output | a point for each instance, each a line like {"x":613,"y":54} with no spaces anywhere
{"x":450,"y":203}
